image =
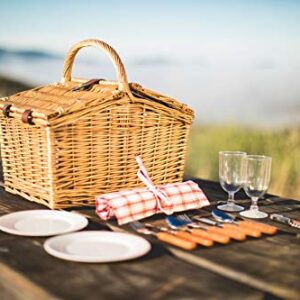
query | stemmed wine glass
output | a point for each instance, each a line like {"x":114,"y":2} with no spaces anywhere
{"x":231,"y":175}
{"x":258,"y":172}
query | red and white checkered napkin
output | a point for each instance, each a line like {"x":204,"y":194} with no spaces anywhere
{"x":131,"y":205}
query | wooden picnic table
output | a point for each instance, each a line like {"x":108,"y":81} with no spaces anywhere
{"x":264,"y":268}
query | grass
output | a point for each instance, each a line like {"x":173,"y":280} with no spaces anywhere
{"x":283,"y":145}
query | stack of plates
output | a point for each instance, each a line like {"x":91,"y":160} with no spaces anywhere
{"x":85,"y":246}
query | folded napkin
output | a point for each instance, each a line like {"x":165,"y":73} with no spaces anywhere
{"x":136,"y":204}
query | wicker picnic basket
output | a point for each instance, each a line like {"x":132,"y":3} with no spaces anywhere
{"x":64,"y":143}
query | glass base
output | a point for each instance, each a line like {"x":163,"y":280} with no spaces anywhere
{"x":253,"y":214}
{"x":230,"y":207}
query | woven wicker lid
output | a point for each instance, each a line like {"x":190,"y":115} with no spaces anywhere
{"x":43,"y":104}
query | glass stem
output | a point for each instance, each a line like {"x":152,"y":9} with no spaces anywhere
{"x":230,"y":198}
{"x":254,"y":204}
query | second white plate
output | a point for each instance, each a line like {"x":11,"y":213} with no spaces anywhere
{"x":42,"y":222}
{"x":97,"y":246}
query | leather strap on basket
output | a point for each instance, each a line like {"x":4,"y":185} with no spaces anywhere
{"x":27,"y":117}
{"x":86,"y":86}
{"x":113,"y":55}
{"x":6,"y":110}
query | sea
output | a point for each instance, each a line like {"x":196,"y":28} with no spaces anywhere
{"x":253,"y":96}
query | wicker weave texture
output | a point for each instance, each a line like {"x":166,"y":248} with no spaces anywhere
{"x":80,"y":144}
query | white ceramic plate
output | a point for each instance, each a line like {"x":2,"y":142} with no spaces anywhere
{"x":97,"y":246}
{"x":41,"y":222}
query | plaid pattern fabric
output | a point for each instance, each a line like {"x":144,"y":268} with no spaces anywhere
{"x":137,"y":204}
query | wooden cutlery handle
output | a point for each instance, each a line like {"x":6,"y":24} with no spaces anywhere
{"x":264,"y":228}
{"x":195,"y":238}
{"x":216,"y":237}
{"x":234,"y":234}
{"x":254,"y":232}
{"x":176,"y":241}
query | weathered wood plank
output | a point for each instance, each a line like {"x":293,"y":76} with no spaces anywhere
{"x":274,"y":260}
{"x":15,"y":286}
{"x":156,"y":276}
{"x":267,"y":264}
{"x":252,"y":270}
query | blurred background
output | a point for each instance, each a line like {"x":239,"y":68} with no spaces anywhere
{"x":236,"y":63}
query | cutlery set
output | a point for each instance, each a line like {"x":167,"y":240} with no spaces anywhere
{"x":166,"y":237}
{"x":188,"y":232}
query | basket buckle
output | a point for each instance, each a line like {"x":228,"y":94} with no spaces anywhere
{"x":6,"y":110}
{"x":27,"y":117}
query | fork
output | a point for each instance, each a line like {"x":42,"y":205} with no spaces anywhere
{"x":196,"y":230}
{"x":230,"y":224}
{"x":216,"y":228}
{"x":164,"y":236}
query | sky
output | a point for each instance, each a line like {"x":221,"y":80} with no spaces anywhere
{"x":205,"y":31}
{"x":234,"y":58}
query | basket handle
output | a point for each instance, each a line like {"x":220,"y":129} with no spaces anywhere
{"x":113,"y":55}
